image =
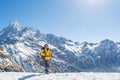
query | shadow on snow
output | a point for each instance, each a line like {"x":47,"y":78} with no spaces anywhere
{"x":29,"y":76}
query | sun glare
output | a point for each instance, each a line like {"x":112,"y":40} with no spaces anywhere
{"x":95,"y":3}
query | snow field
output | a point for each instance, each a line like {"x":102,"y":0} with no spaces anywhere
{"x":59,"y":76}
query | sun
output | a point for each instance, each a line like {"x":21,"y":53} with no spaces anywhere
{"x":95,"y":3}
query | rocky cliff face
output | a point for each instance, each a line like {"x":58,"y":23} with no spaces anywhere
{"x":6,"y":63}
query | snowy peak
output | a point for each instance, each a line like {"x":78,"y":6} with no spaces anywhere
{"x":107,"y":43}
{"x":15,"y":24}
{"x":29,"y":32}
{"x":11,"y":31}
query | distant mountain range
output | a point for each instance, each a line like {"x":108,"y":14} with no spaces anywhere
{"x":20,"y":47}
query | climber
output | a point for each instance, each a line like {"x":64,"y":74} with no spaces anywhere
{"x":46,"y":56}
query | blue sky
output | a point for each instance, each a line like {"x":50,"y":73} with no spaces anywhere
{"x":78,"y":20}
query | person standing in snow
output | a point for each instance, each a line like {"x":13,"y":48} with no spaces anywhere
{"x":46,"y":56}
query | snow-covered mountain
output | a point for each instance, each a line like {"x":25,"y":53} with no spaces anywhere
{"x":23,"y":45}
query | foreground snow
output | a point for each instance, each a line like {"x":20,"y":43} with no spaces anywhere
{"x":59,"y":76}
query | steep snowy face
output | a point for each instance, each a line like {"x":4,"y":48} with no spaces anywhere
{"x":107,"y":48}
{"x":100,"y":56}
{"x":22,"y":45}
{"x":30,"y":35}
{"x":15,"y":33}
{"x":30,"y":32}
{"x":6,"y":62}
{"x":68,"y":49}
{"x":63,"y":44}
{"x":15,"y":25}
{"x":108,"y":51}
{"x":52,"y":39}
{"x":10,"y":31}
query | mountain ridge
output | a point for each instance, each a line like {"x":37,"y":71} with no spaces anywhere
{"x":23,"y":44}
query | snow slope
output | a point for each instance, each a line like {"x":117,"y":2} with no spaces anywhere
{"x":59,"y":76}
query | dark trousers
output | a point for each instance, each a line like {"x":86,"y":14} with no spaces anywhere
{"x":46,"y":66}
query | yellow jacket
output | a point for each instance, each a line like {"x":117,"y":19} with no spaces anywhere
{"x":45,"y":53}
